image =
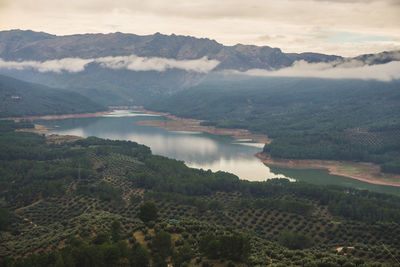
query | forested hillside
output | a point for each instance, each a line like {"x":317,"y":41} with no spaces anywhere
{"x":96,"y":202}
{"x":307,"y":118}
{"x":18,"y":98}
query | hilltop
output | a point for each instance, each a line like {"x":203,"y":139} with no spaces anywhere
{"x":19,"y":98}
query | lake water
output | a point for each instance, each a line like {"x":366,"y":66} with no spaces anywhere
{"x":322,"y":177}
{"x":198,"y":150}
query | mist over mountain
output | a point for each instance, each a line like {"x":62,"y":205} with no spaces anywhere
{"x":18,"y":98}
{"x":29,"y":45}
{"x":120,"y":68}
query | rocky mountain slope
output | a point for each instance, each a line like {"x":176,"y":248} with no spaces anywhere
{"x":29,"y":45}
{"x":125,"y":69}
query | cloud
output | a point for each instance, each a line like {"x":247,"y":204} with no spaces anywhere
{"x":56,"y":65}
{"x":133,"y":63}
{"x":227,"y":21}
{"x":352,"y":69}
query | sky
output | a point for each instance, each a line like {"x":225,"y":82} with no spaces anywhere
{"x":340,"y":27}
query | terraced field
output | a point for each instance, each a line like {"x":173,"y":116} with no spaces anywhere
{"x":110,"y":180}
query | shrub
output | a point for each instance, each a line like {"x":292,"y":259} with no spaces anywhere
{"x":148,"y":211}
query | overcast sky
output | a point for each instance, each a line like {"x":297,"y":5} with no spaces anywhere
{"x":342,"y":27}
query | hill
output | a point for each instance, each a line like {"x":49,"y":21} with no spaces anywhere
{"x":121,"y":86}
{"x":307,"y":118}
{"x":18,"y":98}
{"x":96,"y":202}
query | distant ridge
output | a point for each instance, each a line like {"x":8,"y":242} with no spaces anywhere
{"x":18,"y":98}
{"x":122,"y":86}
{"x":30,"y":45}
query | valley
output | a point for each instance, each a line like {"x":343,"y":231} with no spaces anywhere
{"x":365,"y":172}
{"x":87,"y":196}
{"x":211,"y":151}
{"x":215,"y":151}
{"x":119,"y":149}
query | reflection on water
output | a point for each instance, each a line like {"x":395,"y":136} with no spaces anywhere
{"x":246,"y":168}
{"x":128,"y":113}
{"x":198,"y":150}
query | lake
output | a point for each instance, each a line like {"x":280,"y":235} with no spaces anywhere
{"x":322,"y":177}
{"x":196,"y":149}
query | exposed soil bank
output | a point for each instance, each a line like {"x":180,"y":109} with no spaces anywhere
{"x":55,"y":117}
{"x":53,"y":138}
{"x":182,"y":124}
{"x":58,"y":139}
{"x":38,"y":129}
{"x":362,"y":171}
{"x":50,"y":138}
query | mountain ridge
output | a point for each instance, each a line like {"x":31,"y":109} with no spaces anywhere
{"x":17,"y":45}
{"x":124,"y":86}
{"x":40,"y":46}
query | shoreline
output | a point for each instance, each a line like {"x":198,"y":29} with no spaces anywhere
{"x":363,"y":171}
{"x":61,"y":116}
{"x":193,"y":125}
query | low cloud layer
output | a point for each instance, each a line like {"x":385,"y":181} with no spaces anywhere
{"x":133,"y":63}
{"x":353,"y":69}
{"x":348,"y":69}
{"x":56,"y":65}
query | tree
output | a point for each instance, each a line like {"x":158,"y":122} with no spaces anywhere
{"x":5,"y":218}
{"x":101,"y":238}
{"x":162,"y":245}
{"x":135,"y":199}
{"x":209,"y":245}
{"x":234,"y":247}
{"x":148,"y":211}
{"x":116,"y":230}
{"x":184,"y":255}
{"x":295,"y":240}
{"x":139,"y":256}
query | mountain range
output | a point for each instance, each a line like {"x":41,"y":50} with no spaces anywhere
{"x":108,"y":68}
{"x":29,"y":45}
